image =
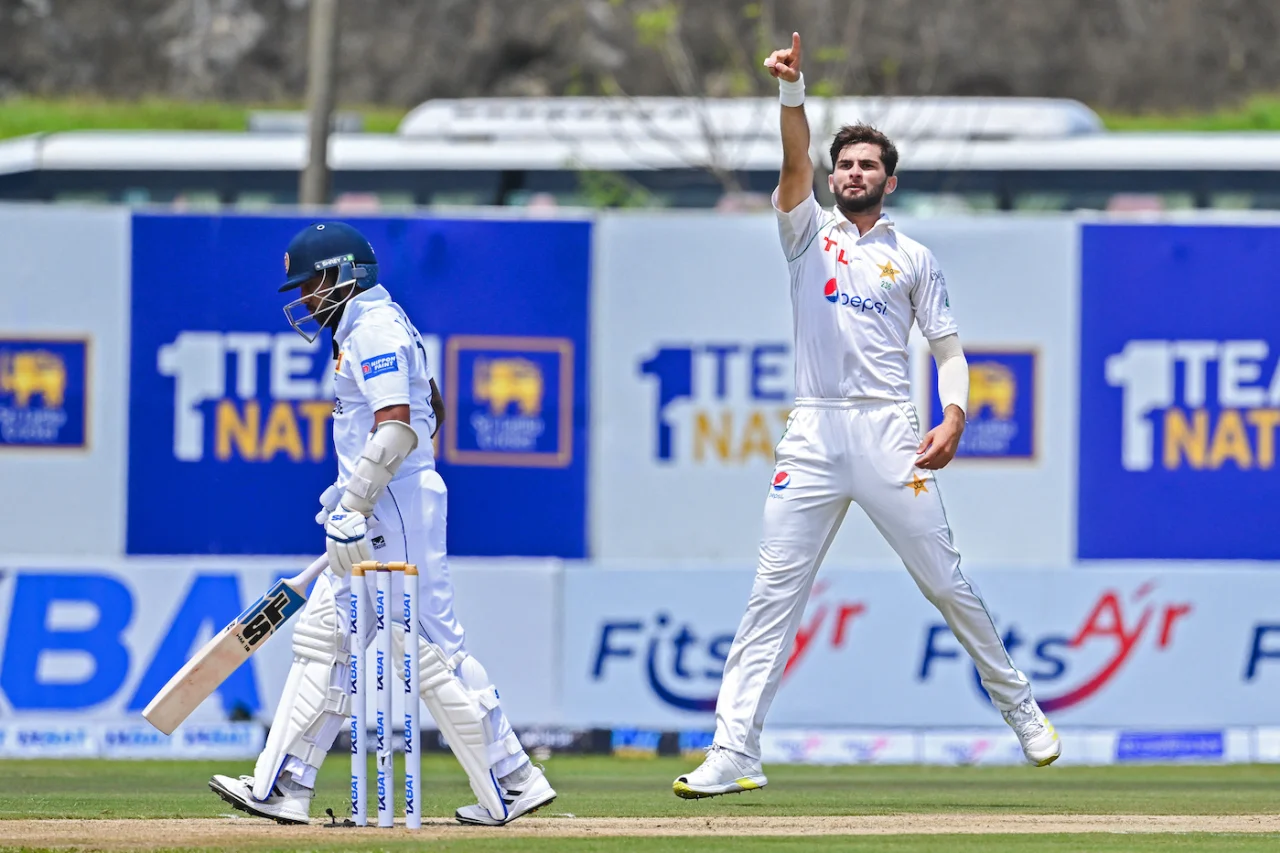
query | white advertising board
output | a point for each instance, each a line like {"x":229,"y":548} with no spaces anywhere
{"x":94,"y":644}
{"x":1138,"y":648}
{"x":693,"y":381}
{"x":66,"y":309}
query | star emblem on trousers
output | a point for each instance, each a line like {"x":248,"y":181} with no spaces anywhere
{"x":918,"y":484}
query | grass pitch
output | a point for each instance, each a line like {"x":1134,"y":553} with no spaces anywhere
{"x":907,"y":801}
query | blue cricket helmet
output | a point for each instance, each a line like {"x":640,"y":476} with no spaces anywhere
{"x":323,"y":245}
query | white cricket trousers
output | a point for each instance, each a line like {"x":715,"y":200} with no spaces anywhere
{"x":834,"y":452}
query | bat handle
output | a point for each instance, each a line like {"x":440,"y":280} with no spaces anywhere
{"x":303,"y":579}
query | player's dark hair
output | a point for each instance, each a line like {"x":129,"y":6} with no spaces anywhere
{"x":852,"y":134}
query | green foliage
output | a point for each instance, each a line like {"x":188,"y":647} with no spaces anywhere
{"x":889,"y":68}
{"x":611,"y":189}
{"x":655,"y":26}
{"x":741,"y":84}
{"x":824,"y":88}
{"x":610,"y":87}
{"x":577,"y":85}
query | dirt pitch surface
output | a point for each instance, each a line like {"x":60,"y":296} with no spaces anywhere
{"x":150,"y":834}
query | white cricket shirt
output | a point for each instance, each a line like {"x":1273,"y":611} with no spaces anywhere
{"x":381,"y":362}
{"x":853,"y":300}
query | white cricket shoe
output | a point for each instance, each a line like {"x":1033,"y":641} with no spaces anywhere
{"x":289,"y":802}
{"x":521,"y":798}
{"x":1039,"y":740}
{"x":722,"y":772}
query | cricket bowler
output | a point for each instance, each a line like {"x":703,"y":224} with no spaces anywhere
{"x":857,"y":285}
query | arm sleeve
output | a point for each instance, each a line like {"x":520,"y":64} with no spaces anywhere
{"x":953,"y":372}
{"x":930,"y":300}
{"x":382,"y":356}
{"x":797,"y":227}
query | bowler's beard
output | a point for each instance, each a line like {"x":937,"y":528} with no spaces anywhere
{"x":862,"y":203}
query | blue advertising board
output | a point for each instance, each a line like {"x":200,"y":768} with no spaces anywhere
{"x":1001,"y":421}
{"x":229,"y":408}
{"x":1179,"y":392}
{"x":44,"y":392}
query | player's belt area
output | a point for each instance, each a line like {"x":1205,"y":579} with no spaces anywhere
{"x":845,"y":402}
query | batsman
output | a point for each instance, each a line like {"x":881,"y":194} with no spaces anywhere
{"x":388,"y":504}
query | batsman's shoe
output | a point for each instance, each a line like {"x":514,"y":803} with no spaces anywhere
{"x":723,"y":772}
{"x":521,"y":798}
{"x":289,"y":802}
{"x":1039,"y":739}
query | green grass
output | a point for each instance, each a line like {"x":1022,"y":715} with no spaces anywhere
{"x":1065,"y":843}
{"x":1081,"y":843}
{"x":608,"y":787}
{"x":592,"y":786}
{"x":21,"y":116}
{"x":1261,"y":112}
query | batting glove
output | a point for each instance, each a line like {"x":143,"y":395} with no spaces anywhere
{"x":329,"y":500}
{"x":345,"y":540}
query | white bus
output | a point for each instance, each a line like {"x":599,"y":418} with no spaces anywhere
{"x":958,"y":155}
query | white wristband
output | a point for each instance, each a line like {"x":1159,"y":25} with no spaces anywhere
{"x":791,"y":94}
{"x":953,"y":372}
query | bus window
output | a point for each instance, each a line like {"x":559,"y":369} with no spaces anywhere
{"x":1149,"y":202}
{"x":206,"y":200}
{"x":256,"y":200}
{"x":1245,"y":201}
{"x":536,"y":203}
{"x":461,"y":198}
{"x":82,"y":197}
{"x":744,"y":202}
{"x":583,"y":188}
{"x":1034,"y":202}
{"x":182,"y":199}
{"x":357,"y":202}
{"x":917,"y":203}
{"x":402,"y":200}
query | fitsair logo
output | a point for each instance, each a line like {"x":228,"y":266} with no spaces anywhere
{"x":1119,"y":627}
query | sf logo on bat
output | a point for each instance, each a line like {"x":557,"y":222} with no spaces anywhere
{"x":260,"y":622}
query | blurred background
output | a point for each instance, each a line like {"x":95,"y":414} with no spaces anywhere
{"x":571,"y":201}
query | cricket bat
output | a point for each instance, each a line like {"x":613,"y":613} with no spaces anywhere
{"x":232,"y":646}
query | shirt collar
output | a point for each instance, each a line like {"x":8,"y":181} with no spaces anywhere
{"x":844,"y":222}
{"x":357,"y":305}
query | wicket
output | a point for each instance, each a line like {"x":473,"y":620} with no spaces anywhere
{"x":359,"y":728}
